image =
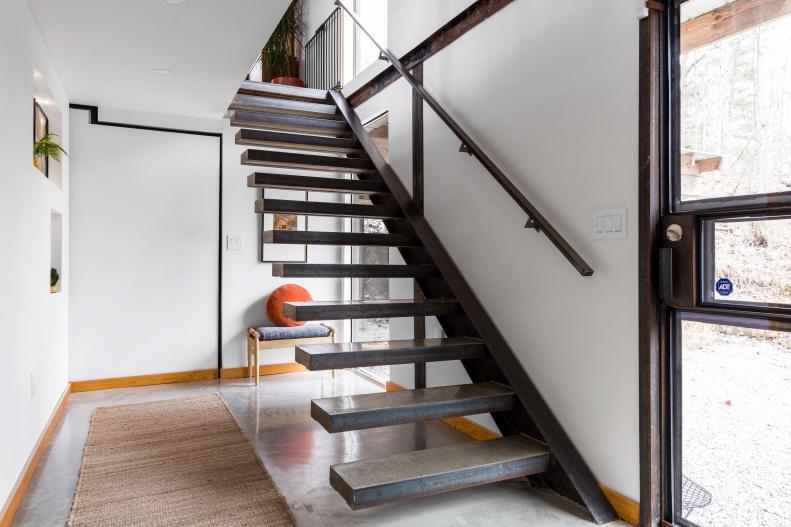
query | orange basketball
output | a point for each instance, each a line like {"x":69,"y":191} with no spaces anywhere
{"x":285,"y":293}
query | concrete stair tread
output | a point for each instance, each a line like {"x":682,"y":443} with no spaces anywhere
{"x":357,"y":412}
{"x":373,"y":482}
{"x":359,"y":354}
{"x":260,"y":103}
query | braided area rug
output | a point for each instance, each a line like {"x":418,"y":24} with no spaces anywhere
{"x":180,"y":462}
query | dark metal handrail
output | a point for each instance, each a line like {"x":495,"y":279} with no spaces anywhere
{"x":535,"y":219}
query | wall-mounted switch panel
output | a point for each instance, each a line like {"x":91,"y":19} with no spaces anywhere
{"x":609,"y":224}
{"x":233,"y":243}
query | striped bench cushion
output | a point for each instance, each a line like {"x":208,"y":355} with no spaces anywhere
{"x":293,"y":332}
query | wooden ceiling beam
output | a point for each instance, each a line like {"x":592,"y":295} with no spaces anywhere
{"x":728,"y":20}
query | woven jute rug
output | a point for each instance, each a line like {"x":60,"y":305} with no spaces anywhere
{"x":182,"y":462}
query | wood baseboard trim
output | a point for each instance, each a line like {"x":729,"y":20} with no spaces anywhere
{"x":628,"y":510}
{"x":18,"y":491}
{"x":263,"y":369}
{"x":143,"y":380}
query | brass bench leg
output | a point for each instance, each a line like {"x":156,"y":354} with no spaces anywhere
{"x":257,"y":368}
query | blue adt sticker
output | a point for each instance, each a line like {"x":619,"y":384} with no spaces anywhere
{"x":724,"y":287}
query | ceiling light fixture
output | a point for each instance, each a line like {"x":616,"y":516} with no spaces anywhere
{"x":175,"y":3}
{"x":165,"y":72}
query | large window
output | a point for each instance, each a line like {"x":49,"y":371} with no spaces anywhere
{"x":373,"y":14}
{"x":726,"y":264}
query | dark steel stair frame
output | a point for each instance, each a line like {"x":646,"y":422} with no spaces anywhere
{"x":571,"y":475}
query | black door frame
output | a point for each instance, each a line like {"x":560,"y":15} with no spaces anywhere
{"x":659,"y":375}
{"x":94,"y":120}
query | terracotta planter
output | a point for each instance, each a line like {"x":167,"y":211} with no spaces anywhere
{"x":289,"y":81}
{"x":53,"y":289}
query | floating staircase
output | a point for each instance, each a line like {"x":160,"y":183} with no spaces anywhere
{"x":317,"y":131}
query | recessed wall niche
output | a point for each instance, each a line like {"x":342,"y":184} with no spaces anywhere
{"x":46,"y":117}
{"x":56,"y":251}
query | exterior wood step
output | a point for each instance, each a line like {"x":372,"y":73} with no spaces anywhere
{"x":298,"y":270}
{"x":437,"y":470}
{"x":257,"y":103}
{"x":320,"y":208}
{"x":316,"y":357}
{"x":342,"y":238}
{"x":371,"y":410}
{"x":289,"y":123}
{"x":275,"y":159}
{"x":316,"y":184}
{"x":282,"y":91}
{"x":289,"y":141}
{"x":356,"y":309}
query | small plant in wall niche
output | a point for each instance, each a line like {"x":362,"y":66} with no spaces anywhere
{"x":54,"y":278}
{"x":45,"y":148}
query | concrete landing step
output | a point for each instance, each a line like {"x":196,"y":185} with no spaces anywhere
{"x":371,"y":410}
{"x":360,"y":354}
{"x":377,"y":481}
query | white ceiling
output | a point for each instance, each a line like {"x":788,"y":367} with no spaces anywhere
{"x":105,"y":50}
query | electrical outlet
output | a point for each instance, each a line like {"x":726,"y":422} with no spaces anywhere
{"x":32,"y":385}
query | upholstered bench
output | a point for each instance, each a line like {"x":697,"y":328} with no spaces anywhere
{"x":283,"y":337}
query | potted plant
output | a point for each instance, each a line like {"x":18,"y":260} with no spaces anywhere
{"x":46,"y":147}
{"x":54,"y":278}
{"x":279,"y":62}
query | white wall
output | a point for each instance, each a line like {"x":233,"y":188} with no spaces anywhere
{"x":144,"y":256}
{"x":33,"y":323}
{"x":549,"y":89}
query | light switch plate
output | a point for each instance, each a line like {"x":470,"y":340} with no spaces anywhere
{"x":609,"y":224}
{"x":233,"y":243}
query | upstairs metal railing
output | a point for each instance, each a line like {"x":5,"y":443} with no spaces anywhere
{"x":535,"y":220}
{"x":323,"y":54}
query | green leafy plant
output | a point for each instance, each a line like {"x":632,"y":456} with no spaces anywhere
{"x":54,"y":277}
{"x":47,"y":147}
{"x":278,"y":57}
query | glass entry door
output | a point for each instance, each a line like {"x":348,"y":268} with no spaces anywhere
{"x":726,"y":265}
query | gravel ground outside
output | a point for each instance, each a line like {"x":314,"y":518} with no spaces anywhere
{"x":737,"y":424}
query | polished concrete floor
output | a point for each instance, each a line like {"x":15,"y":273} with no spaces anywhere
{"x":298,"y":453}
